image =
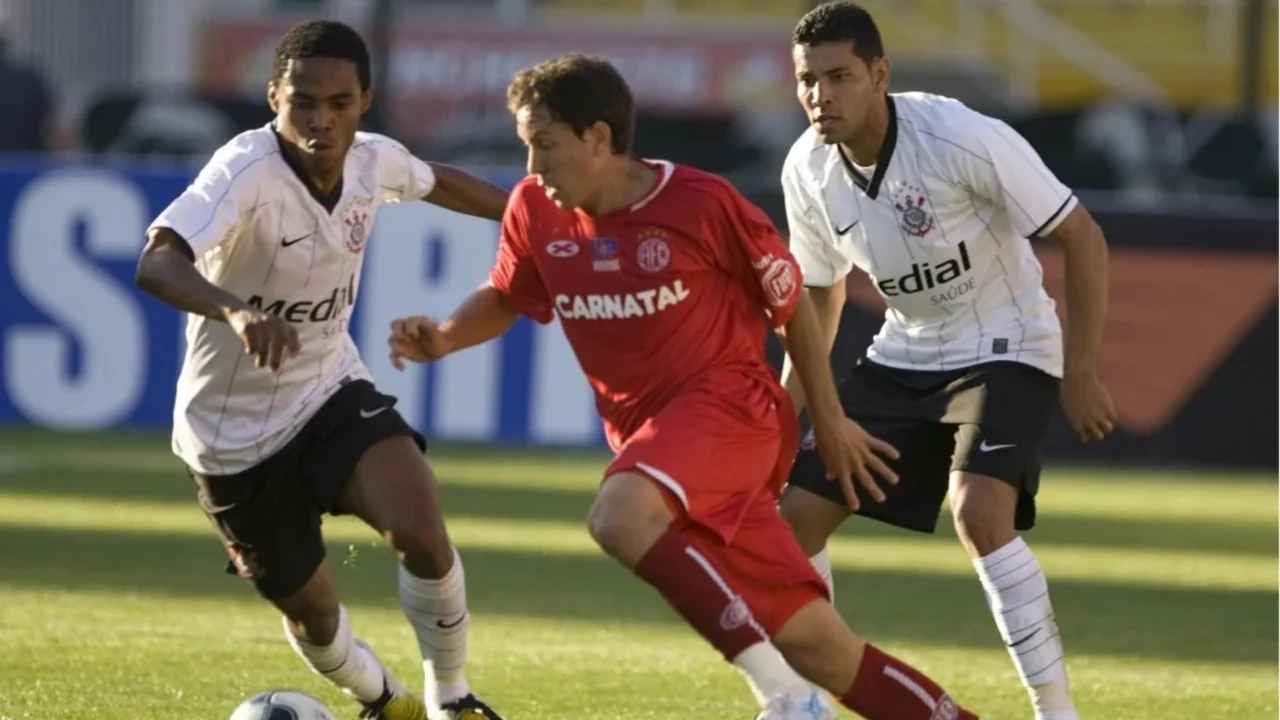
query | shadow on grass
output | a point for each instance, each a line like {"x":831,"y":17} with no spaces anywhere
{"x":541,"y":503}
{"x":1100,"y":618}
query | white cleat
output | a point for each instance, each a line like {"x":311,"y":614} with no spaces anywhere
{"x":811,"y":704}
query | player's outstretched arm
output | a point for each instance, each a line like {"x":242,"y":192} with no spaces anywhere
{"x":465,"y":193}
{"x":167,"y":271}
{"x":482,"y":317}
{"x":1085,"y":401}
{"x":828,"y":303}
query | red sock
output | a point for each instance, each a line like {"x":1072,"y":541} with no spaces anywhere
{"x":888,"y":689}
{"x":691,"y":585}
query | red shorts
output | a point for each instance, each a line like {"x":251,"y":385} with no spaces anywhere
{"x":723,"y":464}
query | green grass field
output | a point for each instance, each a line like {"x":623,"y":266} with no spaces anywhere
{"x":113,"y":604}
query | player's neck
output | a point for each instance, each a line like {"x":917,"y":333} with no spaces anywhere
{"x":865,"y":147}
{"x":323,"y":179}
{"x":627,"y":181}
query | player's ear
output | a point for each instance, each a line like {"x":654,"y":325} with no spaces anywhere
{"x":273,"y":97}
{"x":600,"y":138}
{"x":880,"y":73}
{"x":366,"y":99}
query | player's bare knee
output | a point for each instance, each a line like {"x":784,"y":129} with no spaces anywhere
{"x":627,"y":517}
{"x":422,"y":544}
{"x":983,"y":510}
{"x":612,"y":527}
{"x":983,"y":527}
{"x":312,"y":618}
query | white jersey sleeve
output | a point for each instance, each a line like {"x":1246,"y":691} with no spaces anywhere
{"x":998,"y":164}
{"x":811,"y":241}
{"x":208,"y":212}
{"x":403,"y":175}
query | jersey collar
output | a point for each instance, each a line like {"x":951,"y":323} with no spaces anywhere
{"x":871,"y":186}
{"x":329,"y":201}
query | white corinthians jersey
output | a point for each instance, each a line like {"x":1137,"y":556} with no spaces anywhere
{"x":942,"y":225}
{"x":260,"y":233}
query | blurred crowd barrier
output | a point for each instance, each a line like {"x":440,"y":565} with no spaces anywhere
{"x":1190,"y":352}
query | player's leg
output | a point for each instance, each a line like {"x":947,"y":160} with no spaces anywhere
{"x":994,"y":478}
{"x":371,"y":466}
{"x":394,"y":491}
{"x":867,"y":680}
{"x":786,"y":598}
{"x":633,"y":521}
{"x":271,"y":528}
{"x":641,"y":518}
{"x":320,"y":632}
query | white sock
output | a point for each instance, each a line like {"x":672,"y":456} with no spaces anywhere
{"x":767,"y":672}
{"x":346,"y":662}
{"x":1018,"y":596}
{"x":822,"y":563}
{"x":437,"y":609}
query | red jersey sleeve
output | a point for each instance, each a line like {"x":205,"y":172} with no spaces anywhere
{"x":514,"y":272}
{"x":751,"y":248}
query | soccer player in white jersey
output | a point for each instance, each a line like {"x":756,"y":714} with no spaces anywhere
{"x":276,"y":415}
{"x":940,"y":205}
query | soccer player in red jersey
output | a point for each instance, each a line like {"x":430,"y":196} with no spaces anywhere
{"x":666,"y":280}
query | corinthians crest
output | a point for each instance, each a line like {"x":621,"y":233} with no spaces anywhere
{"x":913,"y":212}
{"x":357,"y":222}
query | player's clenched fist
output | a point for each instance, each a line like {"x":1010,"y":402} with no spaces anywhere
{"x":1088,"y":406}
{"x":848,"y":451}
{"x":266,"y":337}
{"x":416,"y":339}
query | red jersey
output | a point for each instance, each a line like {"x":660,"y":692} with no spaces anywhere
{"x":675,"y":292}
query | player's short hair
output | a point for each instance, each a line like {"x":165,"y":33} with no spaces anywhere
{"x":579,"y":91}
{"x":326,"y":39}
{"x":841,"y":21}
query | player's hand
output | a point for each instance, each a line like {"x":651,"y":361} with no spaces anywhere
{"x":1087,"y":406}
{"x":266,"y":337}
{"x":416,"y":339}
{"x":850,"y":452}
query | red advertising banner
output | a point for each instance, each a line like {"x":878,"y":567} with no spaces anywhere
{"x":439,"y":68}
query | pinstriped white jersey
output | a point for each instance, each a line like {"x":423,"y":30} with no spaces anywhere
{"x":943,"y":226}
{"x":259,"y":233}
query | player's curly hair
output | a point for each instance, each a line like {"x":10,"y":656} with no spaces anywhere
{"x":841,"y":21}
{"x":322,"y":38}
{"x":579,"y":91}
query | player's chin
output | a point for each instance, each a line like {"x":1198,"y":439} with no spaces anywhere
{"x":828,"y":134}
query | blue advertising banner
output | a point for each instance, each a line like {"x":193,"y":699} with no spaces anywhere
{"x":82,"y":349}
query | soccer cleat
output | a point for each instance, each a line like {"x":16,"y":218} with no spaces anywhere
{"x":395,"y":707}
{"x":804,"y":705}
{"x":469,"y":708}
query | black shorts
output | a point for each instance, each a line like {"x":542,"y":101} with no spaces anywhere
{"x":269,"y":515}
{"x":986,"y":419}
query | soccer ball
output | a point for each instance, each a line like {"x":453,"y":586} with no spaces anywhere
{"x":282,"y":705}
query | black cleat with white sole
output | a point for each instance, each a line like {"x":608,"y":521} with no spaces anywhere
{"x":469,"y":708}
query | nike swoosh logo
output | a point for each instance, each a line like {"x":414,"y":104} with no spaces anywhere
{"x":851,"y":226}
{"x":1023,"y":640}
{"x":366,"y":414}
{"x":448,"y":626}
{"x":285,"y":242}
{"x":984,"y":447}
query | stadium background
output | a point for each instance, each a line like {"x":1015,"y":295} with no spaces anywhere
{"x":1161,"y":113}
